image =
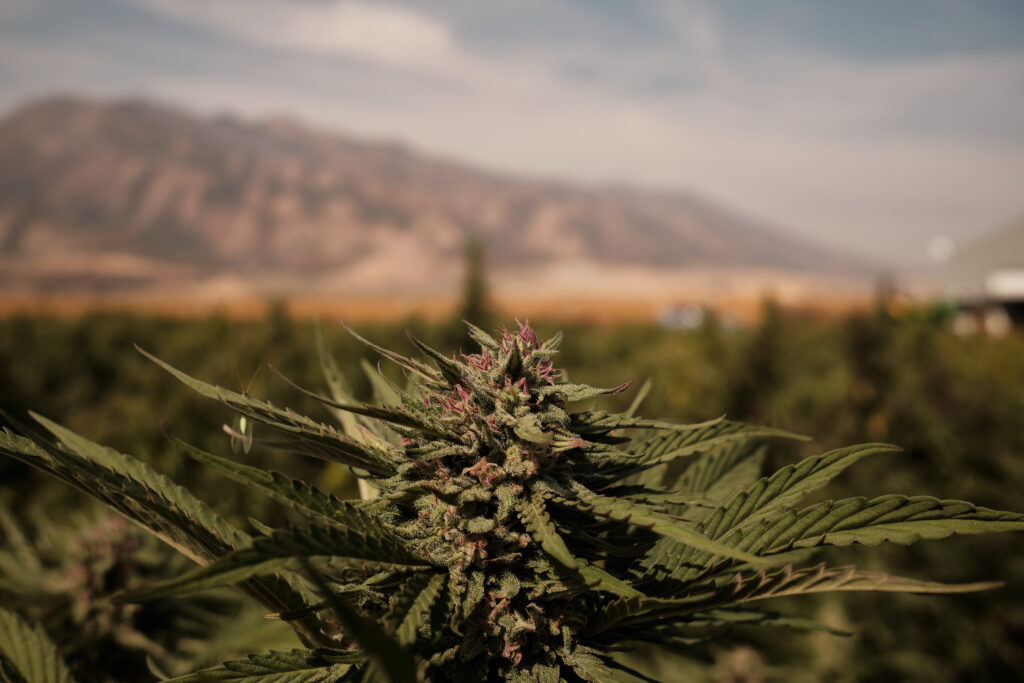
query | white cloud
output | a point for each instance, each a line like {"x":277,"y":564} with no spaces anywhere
{"x":381,"y":33}
{"x":831,"y":146}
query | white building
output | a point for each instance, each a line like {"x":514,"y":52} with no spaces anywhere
{"x":986,"y":279}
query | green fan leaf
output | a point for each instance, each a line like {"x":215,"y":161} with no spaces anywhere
{"x":754,"y":506}
{"x":589,"y":667}
{"x":414,"y":366}
{"x":699,"y":438}
{"x":749,"y":616}
{"x":613,"y":465}
{"x":598,"y":422}
{"x":791,"y":483}
{"x":322,"y":547}
{"x":409,"y":614}
{"x":481,"y":337}
{"x":296,"y":666}
{"x":392,"y":416}
{"x":26,"y":651}
{"x":453,"y":371}
{"x":312,"y":438}
{"x":622,"y":510}
{"x":133,"y":489}
{"x":538,"y":522}
{"x":886,"y":519}
{"x":581,"y":392}
{"x":786,"y":582}
{"x":723,"y":471}
{"x":530,"y":429}
{"x":291,"y":492}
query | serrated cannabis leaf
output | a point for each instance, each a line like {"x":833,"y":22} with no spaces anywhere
{"x":297,"y":666}
{"x":331,"y":545}
{"x":502,"y":535}
{"x":27,"y":653}
{"x":132,"y":488}
{"x":743,"y":588}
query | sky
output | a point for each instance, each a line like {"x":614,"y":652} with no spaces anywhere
{"x":873,"y":127}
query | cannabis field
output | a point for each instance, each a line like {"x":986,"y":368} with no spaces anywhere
{"x":954,"y":405}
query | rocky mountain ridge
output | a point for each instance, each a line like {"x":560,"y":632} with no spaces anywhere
{"x":131,"y":194}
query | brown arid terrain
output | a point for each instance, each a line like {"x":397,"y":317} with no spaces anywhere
{"x":135,"y":204}
{"x":743,"y":305}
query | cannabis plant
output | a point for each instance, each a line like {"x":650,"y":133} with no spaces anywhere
{"x":61,"y":574}
{"x":504,"y":533}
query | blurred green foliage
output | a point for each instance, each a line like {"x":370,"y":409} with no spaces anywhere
{"x":955,"y":404}
{"x":61,"y":573}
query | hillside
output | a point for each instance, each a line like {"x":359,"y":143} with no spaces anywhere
{"x":130,"y":195}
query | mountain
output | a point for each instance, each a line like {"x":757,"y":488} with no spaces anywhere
{"x":131,"y":194}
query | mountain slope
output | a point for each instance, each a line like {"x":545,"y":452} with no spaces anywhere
{"x":136,"y":194}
